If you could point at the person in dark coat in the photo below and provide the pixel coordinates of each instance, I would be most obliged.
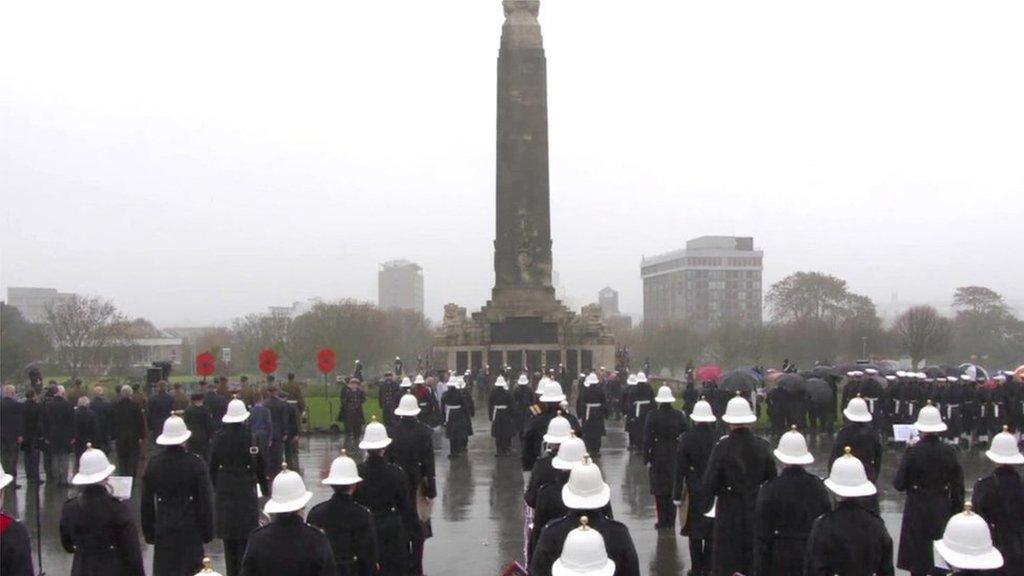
(285, 427)
(32, 439)
(104, 415)
(176, 506)
(595, 506)
(851, 539)
(348, 525)
(778, 401)
(351, 412)
(559, 430)
(549, 504)
(412, 449)
(235, 472)
(129, 432)
(384, 491)
(15, 546)
(738, 465)
(934, 482)
(863, 438)
(87, 427)
(98, 528)
(786, 508)
(389, 393)
(639, 401)
(458, 414)
(999, 499)
(501, 411)
(664, 426)
(59, 431)
(200, 424)
(287, 545)
(216, 403)
(547, 408)
(523, 396)
(592, 405)
(692, 456)
(158, 408)
(427, 400)
(12, 429)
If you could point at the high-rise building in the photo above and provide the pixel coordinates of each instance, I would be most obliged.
(608, 298)
(33, 302)
(400, 285)
(715, 280)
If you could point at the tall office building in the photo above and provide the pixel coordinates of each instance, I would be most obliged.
(715, 280)
(400, 285)
(33, 302)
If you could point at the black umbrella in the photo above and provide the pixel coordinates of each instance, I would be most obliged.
(842, 369)
(739, 380)
(819, 391)
(825, 372)
(934, 372)
(791, 383)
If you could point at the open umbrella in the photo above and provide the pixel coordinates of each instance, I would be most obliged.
(825, 372)
(819, 391)
(792, 382)
(973, 371)
(934, 371)
(739, 381)
(842, 369)
(709, 372)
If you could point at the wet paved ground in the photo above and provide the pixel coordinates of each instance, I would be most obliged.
(478, 512)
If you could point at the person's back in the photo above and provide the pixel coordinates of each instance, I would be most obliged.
(999, 499)
(865, 443)
(786, 509)
(349, 527)
(176, 510)
(288, 546)
(617, 539)
(159, 407)
(849, 541)
(384, 492)
(98, 529)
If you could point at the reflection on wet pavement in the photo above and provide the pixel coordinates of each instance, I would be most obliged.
(477, 518)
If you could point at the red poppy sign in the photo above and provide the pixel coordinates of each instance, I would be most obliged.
(206, 364)
(325, 360)
(268, 361)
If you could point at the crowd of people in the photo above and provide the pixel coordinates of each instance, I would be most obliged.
(227, 461)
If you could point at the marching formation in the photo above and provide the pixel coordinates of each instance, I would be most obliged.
(226, 463)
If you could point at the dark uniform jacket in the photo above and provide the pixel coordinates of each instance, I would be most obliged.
(200, 423)
(549, 506)
(999, 499)
(458, 413)
(235, 470)
(592, 406)
(282, 415)
(864, 443)
(129, 422)
(384, 491)
(15, 548)
(59, 423)
(661, 440)
(617, 542)
(501, 413)
(177, 511)
(691, 461)
(159, 407)
(786, 508)
(523, 396)
(349, 527)
(542, 473)
(290, 547)
(412, 449)
(934, 482)
(849, 541)
(533, 436)
(389, 394)
(738, 465)
(98, 529)
(427, 401)
(105, 417)
(87, 428)
(218, 407)
(641, 402)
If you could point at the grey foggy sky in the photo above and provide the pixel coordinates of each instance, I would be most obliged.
(198, 161)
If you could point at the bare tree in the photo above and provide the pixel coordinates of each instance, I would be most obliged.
(921, 331)
(79, 326)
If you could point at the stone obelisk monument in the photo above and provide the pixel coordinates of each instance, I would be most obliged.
(523, 325)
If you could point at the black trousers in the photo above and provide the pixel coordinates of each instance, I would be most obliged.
(31, 461)
(127, 458)
(666, 511)
(503, 445)
(234, 551)
(593, 443)
(700, 555)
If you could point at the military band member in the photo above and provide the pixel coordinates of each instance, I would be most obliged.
(348, 525)
(412, 449)
(691, 461)
(999, 499)
(458, 414)
(15, 547)
(664, 426)
(592, 405)
(500, 411)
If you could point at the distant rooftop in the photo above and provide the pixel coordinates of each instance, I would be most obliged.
(400, 263)
(706, 246)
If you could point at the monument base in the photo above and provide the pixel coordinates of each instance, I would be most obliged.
(523, 330)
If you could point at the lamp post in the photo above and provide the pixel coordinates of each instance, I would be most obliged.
(864, 347)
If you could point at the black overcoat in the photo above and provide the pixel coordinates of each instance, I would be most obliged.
(786, 508)
(934, 482)
(177, 511)
(349, 527)
(738, 465)
(661, 440)
(850, 541)
(501, 412)
(235, 471)
(999, 499)
(288, 546)
(617, 542)
(864, 443)
(691, 461)
(99, 530)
